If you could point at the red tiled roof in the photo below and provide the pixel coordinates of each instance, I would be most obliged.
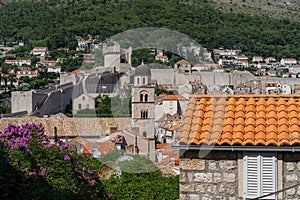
(163, 145)
(86, 151)
(47, 61)
(173, 157)
(242, 120)
(290, 59)
(174, 128)
(173, 97)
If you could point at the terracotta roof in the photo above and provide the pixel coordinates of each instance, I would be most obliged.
(242, 120)
(172, 156)
(174, 97)
(174, 127)
(103, 147)
(163, 145)
(47, 61)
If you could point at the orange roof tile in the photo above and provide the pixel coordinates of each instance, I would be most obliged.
(173, 97)
(163, 145)
(242, 120)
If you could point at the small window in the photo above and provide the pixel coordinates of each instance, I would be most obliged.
(79, 106)
(144, 80)
(138, 80)
(87, 106)
(260, 172)
(146, 97)
(144, 114)
(83, 98)
(141, 97)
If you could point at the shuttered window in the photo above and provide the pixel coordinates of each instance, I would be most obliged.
(260, 174)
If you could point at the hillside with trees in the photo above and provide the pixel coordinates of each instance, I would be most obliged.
(57, 24)
(289, 9)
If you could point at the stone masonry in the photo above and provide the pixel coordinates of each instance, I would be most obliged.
(291, 175)
(214, 177)
(72, 127)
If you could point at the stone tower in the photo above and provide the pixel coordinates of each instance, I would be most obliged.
(143, 93)
(114, 55)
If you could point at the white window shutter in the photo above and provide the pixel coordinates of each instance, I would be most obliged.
(269, 173)
(251, 176)
(260, 175)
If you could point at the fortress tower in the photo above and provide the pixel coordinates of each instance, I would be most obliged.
(114, 55)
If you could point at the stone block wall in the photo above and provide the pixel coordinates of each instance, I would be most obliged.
(214, 177)
(291, 175)
(72, 127)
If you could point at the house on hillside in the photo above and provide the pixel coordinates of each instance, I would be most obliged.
(47, 62)
(28, 73)
(270, 60)
(19, 63)
(39, 51)
(55, 69)
(240, 147)
(288, 61)
(294, 69)
(257, 59)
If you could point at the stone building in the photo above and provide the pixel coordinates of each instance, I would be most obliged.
(240, 147)
(44, 101)
(114, 55)
(183, 66)
(84, 101)
(143, 102)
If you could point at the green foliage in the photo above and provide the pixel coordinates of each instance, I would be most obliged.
(72, 64)
(140, 179)
(56, 24)
(36, 83)
(140, 55)
(36, 169)
(150, 185)
(20, 51)
(113, 107)
(52, 75)
(163, 91)
(103, 104)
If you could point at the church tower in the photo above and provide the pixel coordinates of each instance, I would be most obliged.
(143, 94)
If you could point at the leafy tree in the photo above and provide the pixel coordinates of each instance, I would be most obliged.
(163, 91)
(103, 104)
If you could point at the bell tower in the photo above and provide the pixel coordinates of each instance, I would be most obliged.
(143, 94)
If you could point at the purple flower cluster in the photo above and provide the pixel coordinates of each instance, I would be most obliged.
(40, 155)
(67, 157)
(17, 137)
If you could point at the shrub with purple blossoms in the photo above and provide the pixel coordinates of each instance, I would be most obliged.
(33, 167)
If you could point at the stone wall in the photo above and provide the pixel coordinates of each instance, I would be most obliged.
(72, 127)
(219, 176)
(291, 175)
(214, 177)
